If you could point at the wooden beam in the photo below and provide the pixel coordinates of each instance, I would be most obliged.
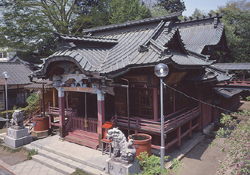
(80, 89)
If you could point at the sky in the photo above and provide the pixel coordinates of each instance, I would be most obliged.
(204, 5)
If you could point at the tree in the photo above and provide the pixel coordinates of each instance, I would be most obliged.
(127, 10)
(198, 12)
(237, 25)
(28, 25)
(172, 5)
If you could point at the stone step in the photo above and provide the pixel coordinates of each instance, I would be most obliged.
(44, 144)
(53, 164)
(77, 159)
(61, 160)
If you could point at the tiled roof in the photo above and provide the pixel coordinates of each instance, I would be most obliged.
(17, 72)
(86, 38)
(227, 93)
(38, 85)
(200, 33)
(134, 23)
(135, 47)
(188, 60)
(221, 74)
(232, 66)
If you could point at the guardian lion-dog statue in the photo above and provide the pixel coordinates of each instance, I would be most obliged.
(17, 119)
(123, 151)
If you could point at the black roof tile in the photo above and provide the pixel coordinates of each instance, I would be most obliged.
(133, 23)
(124, 54)
(232, 66)
(18, 73)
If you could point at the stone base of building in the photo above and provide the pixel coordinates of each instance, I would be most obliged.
(40, 134)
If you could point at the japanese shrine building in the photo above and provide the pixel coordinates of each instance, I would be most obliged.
(108, 75)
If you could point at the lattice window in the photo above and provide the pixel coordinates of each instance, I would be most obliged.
(3, 54)
(141, 102)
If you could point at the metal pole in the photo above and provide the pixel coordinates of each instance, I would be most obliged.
(6, 101)
(162, 121)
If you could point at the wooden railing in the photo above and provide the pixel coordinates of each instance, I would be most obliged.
(155, 126)
(237, 82)
(79, 123)
(171, 123)
(54, 112)
(29, 114)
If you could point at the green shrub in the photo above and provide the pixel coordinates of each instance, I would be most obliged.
(31, 153)
(30, 101)
(32, 98)
(79, 172)
(248, 98)
(3, 114)
(238, 143)
(152, 165)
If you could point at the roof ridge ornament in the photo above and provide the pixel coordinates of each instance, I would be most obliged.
(143, 47)
(216, 21)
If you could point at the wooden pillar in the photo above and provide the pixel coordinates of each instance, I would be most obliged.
(179, 137)
(200, 109)
(244, 77)
(155, 99)
(67, 99)
(190, 129)
(173, 101)
(54, 98)
(61, 112)
(101, 111)
(155, 103)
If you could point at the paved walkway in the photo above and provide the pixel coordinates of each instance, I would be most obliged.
(31, 167)
(52, 146)
(83, 155)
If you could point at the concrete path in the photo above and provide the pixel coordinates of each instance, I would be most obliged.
(32, 168)
(56, 156)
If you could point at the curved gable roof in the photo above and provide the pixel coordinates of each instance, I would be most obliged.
(200, 33)
(133, 47)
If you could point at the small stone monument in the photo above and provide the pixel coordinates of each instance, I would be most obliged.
(123, 160)
(17, 134)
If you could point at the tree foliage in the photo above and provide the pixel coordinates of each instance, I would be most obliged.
(237, 25)
(172, 5)
(127, 10)
(28, 25)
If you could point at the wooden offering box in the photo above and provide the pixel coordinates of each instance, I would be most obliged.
(105, 127)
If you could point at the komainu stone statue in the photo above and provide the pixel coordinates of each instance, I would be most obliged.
(123, 151)
(17, 119)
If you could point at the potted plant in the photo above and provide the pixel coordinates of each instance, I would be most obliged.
(142, 142)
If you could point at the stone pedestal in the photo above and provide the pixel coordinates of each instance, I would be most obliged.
(118, 168)
(40, 134)
(17, 137)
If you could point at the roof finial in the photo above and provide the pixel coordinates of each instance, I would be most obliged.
(217, 14)
(197, 17)
(210, 15)
(203, 16)
(185, 18)
(191, 18)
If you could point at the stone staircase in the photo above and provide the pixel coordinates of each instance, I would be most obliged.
(84, 138)
(62, 162)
